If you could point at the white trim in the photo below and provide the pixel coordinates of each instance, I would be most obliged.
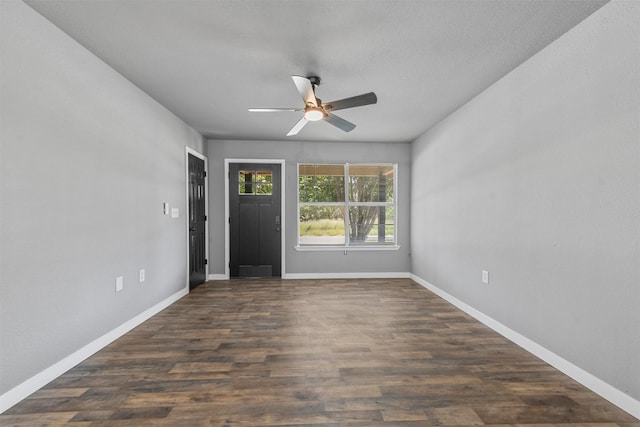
(218, 277)
(35, 383)
(595, 384)
(202, 157)
(354, 248)
(386, 275)
(227, 255)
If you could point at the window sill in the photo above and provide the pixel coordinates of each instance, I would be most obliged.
(311, 248)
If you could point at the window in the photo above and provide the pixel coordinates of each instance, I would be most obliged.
(255, 183)
(346, 204)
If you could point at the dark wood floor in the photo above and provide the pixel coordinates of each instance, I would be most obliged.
(323, 353)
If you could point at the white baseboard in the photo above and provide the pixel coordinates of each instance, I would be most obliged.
(303, 276)
(33, 384)
(595, 384)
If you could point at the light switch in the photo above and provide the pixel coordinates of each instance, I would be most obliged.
(165, 208)
(485, 276)
(175, 212)
(119, 283)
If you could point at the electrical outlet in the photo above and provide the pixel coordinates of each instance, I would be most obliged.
(485, 277)
(119, 283)
(141, 276)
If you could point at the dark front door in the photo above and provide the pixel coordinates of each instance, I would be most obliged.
(197, 221)
(254, 222)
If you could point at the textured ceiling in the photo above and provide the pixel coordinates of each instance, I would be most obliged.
(209, 61)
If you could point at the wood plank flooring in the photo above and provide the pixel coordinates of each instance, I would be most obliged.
(313, 353)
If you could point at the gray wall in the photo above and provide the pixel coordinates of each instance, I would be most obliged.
(294, 152)
(537, 181)
(86, 161)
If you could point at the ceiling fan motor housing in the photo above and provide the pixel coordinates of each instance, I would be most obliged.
(315, 80)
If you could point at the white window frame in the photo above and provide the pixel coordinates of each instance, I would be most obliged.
(347, 245)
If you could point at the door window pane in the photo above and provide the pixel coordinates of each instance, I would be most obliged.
(255, 183)
(264, 184)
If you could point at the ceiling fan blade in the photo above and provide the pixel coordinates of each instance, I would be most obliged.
(339, 122)
(273, 110)
(354, 101)
(298, 127)
(305, 88)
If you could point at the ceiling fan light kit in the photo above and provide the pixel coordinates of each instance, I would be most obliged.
(315, 110)
(313, 114)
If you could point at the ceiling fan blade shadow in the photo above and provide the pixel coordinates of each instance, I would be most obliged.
(298, 127)
(305, 88)
(273, 110)
(339, 122)
(354, 101)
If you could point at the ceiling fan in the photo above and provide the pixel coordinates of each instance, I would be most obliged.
(315, 110)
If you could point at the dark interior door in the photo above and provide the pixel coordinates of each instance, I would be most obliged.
(197, 221)
(254, 221)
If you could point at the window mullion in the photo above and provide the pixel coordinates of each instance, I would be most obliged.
(347, 220)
